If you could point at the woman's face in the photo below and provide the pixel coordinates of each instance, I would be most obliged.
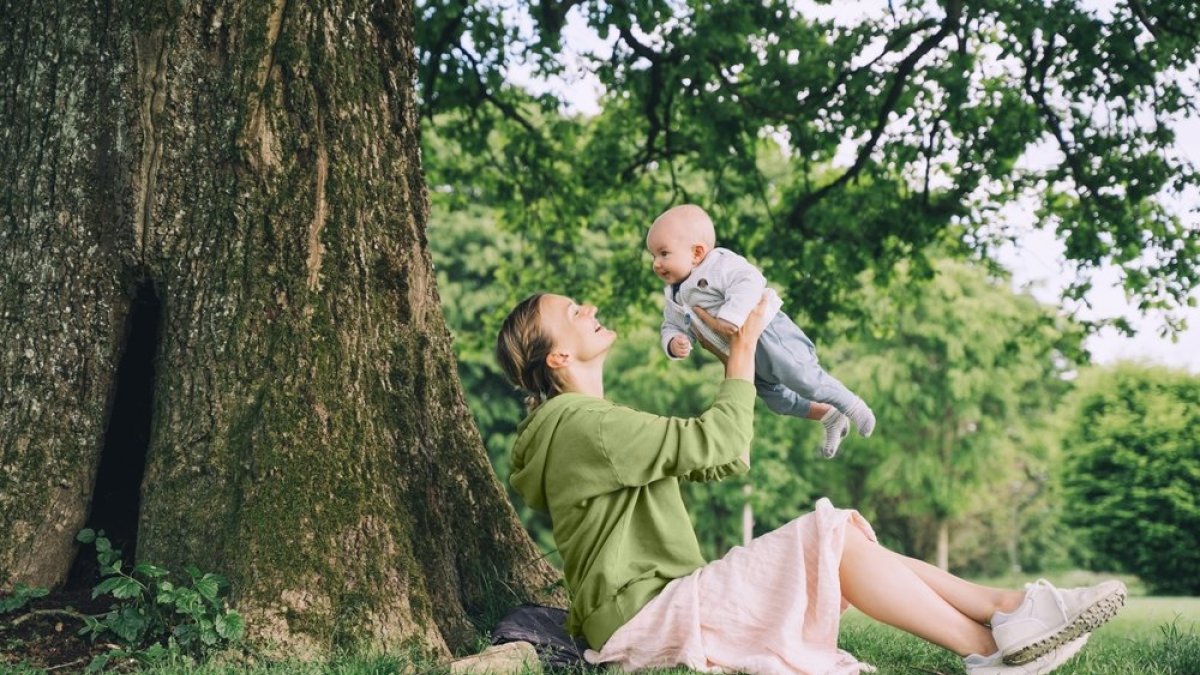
(573, 328)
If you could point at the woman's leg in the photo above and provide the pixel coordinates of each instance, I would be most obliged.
(977, 602)
(882, 586)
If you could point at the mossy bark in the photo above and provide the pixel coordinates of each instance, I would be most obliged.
(259, 163)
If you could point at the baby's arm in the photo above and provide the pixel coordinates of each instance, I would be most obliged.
(743, 286)
(673, 334)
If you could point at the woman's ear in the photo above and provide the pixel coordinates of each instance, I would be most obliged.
(557, 359)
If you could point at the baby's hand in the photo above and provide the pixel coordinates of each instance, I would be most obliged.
(680, 346)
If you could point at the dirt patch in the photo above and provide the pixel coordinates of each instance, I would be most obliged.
(45, 637)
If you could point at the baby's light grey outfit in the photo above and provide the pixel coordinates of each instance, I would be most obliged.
(786, 373)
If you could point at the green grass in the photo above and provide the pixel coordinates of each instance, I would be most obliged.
(1151, 636)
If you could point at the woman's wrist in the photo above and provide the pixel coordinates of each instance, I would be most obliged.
(740, 364)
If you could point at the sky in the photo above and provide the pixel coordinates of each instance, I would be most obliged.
(1036, 259)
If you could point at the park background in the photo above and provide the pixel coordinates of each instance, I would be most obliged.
(1008, 403)
(232, 191)
(1009, 376)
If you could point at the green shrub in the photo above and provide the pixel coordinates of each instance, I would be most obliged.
(1132, 474)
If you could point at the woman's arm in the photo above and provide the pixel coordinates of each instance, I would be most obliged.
(742, 341)
(644, 447)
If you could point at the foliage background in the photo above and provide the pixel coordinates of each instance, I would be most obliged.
(886, 259)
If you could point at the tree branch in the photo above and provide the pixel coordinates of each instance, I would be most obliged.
(1139, 11)
(900, 79)
(49, 612)
(508, 109)
(436, 52)
(1037, 91)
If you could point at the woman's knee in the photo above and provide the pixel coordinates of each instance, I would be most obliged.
(854, 539)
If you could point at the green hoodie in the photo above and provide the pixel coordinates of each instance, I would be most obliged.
(609, 477)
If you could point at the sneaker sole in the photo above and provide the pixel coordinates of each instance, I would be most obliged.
(1088, 620)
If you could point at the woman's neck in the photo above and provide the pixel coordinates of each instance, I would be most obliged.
(587, 380)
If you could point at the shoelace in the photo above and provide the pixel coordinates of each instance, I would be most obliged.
(1054, 593)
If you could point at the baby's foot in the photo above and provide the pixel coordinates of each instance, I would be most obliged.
(863, 418)
(837, 427)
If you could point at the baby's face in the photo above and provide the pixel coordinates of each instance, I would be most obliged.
(674, 254)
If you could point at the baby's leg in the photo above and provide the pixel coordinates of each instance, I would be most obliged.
(787, 353)
(783, 401)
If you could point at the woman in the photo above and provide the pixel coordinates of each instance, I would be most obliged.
(642, 595)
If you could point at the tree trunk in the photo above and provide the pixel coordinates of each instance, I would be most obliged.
(254, 168)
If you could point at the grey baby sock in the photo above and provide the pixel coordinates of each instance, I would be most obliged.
(837, 427)
(863, 418)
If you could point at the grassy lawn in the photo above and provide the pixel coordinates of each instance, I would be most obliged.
(1151, 636)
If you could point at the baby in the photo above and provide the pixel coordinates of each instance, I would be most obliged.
(726, 286)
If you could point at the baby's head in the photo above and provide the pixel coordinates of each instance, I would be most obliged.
(678, 240)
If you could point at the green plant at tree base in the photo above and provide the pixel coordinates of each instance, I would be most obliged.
(153, 619)
(20, 597)
(191, 618)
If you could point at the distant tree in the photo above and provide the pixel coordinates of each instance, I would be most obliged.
(1133, 473)
(956, 371)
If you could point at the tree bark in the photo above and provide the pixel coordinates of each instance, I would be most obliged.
(258, 163)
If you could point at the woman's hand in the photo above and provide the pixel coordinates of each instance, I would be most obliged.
(719, 326)
(742, 341)
(752, 327)
(712, 349)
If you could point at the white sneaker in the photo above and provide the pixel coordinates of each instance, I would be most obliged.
(1046, 663)
(1049, 617)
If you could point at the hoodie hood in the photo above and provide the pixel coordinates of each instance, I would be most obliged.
(535, 435)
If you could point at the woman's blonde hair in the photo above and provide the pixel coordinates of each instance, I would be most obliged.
(521, 350)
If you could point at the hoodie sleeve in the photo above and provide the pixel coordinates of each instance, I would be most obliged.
(643, 448)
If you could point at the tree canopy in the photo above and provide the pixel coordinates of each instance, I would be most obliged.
(949, 111)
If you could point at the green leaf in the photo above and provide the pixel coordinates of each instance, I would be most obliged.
(230, 626)
(208, 587)
(155, 652)
(21, 596)
(128, 625)
(91, 625)
(106, 586)
(87, 535)
(148, 570)
(126, 588)
(208, 635)
(97, 664)
(103, 545)
(186, 634)
(188, 601)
